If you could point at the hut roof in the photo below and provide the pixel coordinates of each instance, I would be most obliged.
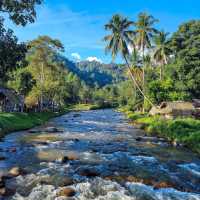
(170, 107)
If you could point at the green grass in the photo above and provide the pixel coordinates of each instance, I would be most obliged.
(182, 130)
(20, 121)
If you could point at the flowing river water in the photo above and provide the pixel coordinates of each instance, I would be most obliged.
(100, 156)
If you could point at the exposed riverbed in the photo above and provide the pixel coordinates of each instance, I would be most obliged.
(100, 156)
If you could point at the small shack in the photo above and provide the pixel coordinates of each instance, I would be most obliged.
(170, 110)
(10, 101)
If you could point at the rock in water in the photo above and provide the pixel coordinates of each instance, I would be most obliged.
(66, 181)
(76, 115)
(88, 172)
(66, 192)
(52, 130)
(16, 171)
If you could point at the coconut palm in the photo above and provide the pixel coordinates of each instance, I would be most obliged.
(144, 31)
(119, 40)
(162, 50)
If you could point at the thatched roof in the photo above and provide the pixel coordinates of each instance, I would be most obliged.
(173, 107)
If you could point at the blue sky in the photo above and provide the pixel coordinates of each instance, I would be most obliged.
(79, 24)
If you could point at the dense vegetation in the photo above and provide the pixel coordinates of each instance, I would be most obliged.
(94, 73)
(162, 68)
(180, 131)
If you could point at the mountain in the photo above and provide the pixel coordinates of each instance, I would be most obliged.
(96, 73)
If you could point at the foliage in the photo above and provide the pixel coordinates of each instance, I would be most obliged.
(21, 81)
(12, 53)
(120, 36)
(20, 11)
(181, 130)
(186, 47)
(19, 121)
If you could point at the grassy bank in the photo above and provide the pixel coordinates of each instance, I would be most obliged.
(181, 130)
(10, 122)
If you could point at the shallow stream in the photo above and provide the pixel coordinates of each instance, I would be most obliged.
(100, 156)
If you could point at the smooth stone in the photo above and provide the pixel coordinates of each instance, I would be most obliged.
(66, 181)
(2, 158)
(163, 185)
(66, 192)
(2, 191)
(68, 157)
(52, 130)
(16, 171)
(2, 182)
(63, 159)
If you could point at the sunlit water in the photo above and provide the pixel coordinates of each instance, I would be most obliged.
(105, 143)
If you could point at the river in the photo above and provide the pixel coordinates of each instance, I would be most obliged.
(100, 156)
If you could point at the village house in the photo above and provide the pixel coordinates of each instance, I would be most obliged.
(10, 101)
(170, 110)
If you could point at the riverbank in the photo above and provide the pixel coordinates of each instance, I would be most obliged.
(10, 122)
(178, 131)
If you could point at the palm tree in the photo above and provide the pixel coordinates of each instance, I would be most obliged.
(144, 31)
(119, 40)
(162, 50)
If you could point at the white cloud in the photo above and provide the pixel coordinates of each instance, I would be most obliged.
(76, 56)
(91, 59)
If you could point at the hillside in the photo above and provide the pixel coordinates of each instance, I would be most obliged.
(95, 73)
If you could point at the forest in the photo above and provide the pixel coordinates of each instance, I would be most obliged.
(87, 130)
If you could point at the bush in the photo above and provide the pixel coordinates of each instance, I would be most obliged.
(183, 130)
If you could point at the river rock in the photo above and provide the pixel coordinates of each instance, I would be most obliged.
(16, 171)
(52, 130)
(2, 158)
(88, 172)
(63, 159)
(163, 185)
(6, 192)
(13, 150)
(34, 131)
(66, 181)
(66, 192)
(2, 182)
(76, 115)
(68, 157)
(2, 191)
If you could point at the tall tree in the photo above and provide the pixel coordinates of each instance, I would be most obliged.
(144, 30)
(118, 41)
(162, 50)
(20, 11)
(12, 53)
(42, 64)
(185, 43)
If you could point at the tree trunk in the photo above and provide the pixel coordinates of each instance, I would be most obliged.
(135, 82)
(161, 72)
(42, 88)
(143, 78)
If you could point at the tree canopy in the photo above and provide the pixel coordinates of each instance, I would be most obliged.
(20, 12)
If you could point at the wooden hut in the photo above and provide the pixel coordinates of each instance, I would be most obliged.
(175, 109)
(10, 101)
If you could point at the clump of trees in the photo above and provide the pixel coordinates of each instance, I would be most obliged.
(34, 69)
(161, 67)
(45, 82)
